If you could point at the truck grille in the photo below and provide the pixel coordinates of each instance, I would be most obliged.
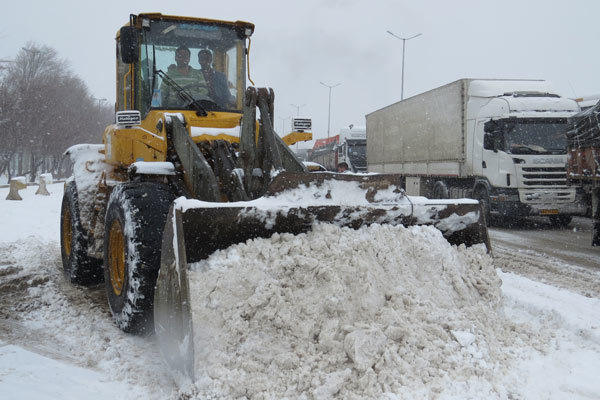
(544, 177)
(552, 197)
(545, 185)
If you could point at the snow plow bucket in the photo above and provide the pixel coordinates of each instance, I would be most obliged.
(293, 203)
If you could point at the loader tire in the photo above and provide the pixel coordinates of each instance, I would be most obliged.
(135, 220)
(78, 267)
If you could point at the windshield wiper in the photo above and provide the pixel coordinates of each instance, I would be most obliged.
(527, 149)
(182, 93)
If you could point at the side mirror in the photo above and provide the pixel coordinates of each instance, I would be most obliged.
(489, 142)
(130, 50)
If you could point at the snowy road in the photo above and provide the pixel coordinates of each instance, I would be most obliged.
(560, 257)
(57, 341)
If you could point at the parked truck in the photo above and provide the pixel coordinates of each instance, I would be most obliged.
(349, 146)
(583, 166)
(499, 141)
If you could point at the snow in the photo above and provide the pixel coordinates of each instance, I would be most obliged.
(499, 87)
(551, 106)
(37, 216)
(200, 131)
(341, 302)
(568, 368)
(20, 179)
(27, 375)
(153, 168)
(313, 166)
(502, 336)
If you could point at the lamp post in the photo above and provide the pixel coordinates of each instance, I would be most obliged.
(329, 114)
(403, 50)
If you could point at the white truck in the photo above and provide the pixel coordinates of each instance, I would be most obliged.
(349, 146)
(501, 142)
(352, 148)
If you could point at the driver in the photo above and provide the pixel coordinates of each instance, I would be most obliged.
(216, 80)
(190, 79)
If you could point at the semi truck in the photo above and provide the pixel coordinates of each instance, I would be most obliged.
(499, 141)
(583, 161)
(349, 146)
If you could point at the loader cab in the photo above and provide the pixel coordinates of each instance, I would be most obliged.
(146, 55)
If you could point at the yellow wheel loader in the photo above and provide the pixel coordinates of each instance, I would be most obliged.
(188, 169)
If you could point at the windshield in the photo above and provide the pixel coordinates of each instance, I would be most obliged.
(535, 136)
(203, 63)
(357, 151)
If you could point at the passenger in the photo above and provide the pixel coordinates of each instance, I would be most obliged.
(218, 86)
(187, 77)
(342, 167)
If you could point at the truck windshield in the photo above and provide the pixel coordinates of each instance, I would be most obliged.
(535, 136)
(357, 151)
(217, 88)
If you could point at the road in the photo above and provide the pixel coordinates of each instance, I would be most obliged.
(561, 257)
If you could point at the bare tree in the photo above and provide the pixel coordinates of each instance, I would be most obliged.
(44, 109)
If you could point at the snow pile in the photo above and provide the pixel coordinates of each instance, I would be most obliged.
(383, 310)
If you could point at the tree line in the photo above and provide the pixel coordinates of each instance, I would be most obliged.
(44, 109)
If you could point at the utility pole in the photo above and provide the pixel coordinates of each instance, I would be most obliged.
(329, 113)
(403, 50)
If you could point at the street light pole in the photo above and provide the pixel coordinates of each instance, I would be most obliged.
(329, 113)
(403, 51)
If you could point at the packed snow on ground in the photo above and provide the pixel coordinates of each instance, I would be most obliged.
(382, 312)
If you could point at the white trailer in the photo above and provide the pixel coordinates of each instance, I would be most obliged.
(501, 142)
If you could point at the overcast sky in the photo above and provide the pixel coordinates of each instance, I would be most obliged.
(298, 44)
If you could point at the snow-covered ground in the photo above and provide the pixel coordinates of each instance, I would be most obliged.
(522, 340)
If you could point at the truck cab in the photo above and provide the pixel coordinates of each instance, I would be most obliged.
(352, 148)
(521, 134)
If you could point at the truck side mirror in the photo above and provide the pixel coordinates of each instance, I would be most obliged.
(130, 50)
(489, 142)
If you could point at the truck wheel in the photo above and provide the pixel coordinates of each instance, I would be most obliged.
(78, 267)
(560, 221)
(440, 190)
(135, 220)
(481, 194)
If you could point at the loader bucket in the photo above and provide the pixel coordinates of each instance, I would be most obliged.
(292, 204)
